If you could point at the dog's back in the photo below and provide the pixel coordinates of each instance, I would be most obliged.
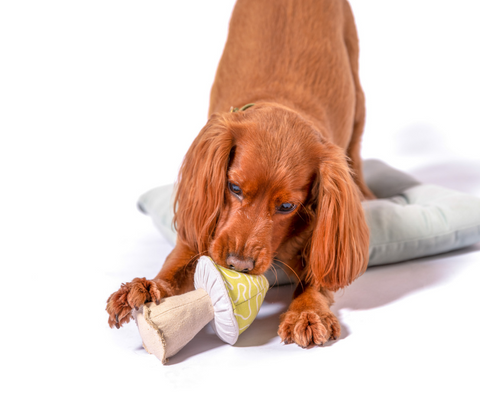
(303, 54)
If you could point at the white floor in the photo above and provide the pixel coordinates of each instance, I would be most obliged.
(99, 100)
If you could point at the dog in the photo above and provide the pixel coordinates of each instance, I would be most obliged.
(275, 175)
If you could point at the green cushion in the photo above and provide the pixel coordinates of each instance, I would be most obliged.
(411, 220)
(408, 220)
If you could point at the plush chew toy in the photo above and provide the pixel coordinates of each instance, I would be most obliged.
(229, 299)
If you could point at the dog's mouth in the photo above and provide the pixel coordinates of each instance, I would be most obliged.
(251, 255)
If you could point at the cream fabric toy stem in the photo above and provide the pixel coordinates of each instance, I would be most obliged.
(229, 299)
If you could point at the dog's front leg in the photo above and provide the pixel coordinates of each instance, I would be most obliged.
(175, 277)
(309, 321)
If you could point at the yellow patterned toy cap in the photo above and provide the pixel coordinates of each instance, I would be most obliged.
(236, 297)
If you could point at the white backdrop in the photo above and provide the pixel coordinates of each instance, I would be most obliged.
(99, 101)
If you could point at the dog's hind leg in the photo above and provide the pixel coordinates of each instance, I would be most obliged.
(353, 149)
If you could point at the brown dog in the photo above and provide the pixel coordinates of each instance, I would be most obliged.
(279, 180)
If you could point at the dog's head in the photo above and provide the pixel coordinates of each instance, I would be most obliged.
(259, 180)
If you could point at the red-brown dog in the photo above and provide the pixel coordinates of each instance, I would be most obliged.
(279, 180)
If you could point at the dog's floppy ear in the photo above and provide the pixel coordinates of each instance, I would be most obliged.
(338, 251)
(200, 188)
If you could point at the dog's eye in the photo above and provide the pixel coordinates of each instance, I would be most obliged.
(235, 189)
(285, 208)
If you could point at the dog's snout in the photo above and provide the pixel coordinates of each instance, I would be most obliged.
(239, 264)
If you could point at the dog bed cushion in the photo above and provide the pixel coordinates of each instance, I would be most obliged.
(408, 220)
(411, 220)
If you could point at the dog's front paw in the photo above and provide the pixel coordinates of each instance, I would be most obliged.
(308, 328)
(133, 295)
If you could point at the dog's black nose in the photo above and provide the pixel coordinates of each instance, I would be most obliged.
(239, 264)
